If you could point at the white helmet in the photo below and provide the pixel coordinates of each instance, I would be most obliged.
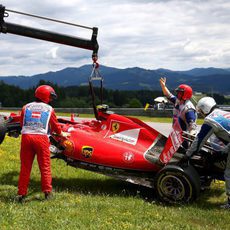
(205, 105)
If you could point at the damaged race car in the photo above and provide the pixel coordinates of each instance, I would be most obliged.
(119, 146)
(128, 149)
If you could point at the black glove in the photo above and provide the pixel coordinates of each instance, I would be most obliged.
(184, 160)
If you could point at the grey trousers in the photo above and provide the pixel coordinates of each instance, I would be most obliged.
(227, 171)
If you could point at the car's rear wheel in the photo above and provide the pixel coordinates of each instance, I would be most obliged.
(174, 184)
(2, 129)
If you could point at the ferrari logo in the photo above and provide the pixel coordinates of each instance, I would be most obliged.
(115, 127)
(87, 151)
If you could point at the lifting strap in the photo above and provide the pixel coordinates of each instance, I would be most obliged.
(96, 76)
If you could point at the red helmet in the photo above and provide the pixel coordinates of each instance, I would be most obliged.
(45, 93)
(186, 92)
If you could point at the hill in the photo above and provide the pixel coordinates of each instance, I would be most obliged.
(214, 80)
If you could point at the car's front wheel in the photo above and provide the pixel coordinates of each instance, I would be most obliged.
(174, 184)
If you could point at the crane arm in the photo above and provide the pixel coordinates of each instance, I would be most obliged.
(89, 44)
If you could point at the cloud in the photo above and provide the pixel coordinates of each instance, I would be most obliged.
(171, 34)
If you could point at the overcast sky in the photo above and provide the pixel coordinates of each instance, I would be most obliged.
(151, 34)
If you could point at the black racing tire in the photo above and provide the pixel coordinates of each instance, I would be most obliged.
(3, 129)
(174, 184)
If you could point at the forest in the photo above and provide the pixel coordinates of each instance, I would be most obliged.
(80, 96)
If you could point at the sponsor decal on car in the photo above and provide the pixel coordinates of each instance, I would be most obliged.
(128, 136)
(87, 151)
(68, 145)
(128, 157)
(103, 127)
(173, 142)
(115, 127)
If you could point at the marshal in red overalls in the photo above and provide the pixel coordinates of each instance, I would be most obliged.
(37, 120)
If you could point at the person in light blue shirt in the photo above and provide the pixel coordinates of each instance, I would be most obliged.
(216, 122)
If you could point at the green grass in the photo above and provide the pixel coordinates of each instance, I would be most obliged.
(143, 118)
(85, 200)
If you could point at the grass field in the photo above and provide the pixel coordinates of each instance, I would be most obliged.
(85, 200)
(143, 118)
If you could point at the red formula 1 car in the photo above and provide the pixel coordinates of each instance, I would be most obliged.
(130, 150)
(119, 146)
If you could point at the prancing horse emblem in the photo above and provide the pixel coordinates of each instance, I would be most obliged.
(115, 127)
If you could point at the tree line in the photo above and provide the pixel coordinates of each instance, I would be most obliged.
(80, 96)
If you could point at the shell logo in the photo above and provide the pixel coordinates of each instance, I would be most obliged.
(68, 145)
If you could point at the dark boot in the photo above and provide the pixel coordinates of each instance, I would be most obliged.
(227, 205)
(48, 195)
(20, 198)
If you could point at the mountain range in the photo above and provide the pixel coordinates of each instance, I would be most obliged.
(213, 80)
